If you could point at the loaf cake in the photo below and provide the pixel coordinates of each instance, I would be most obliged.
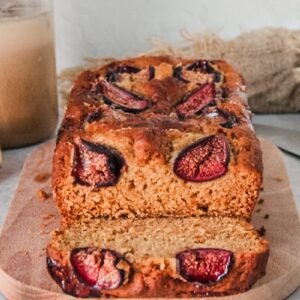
(157, 137)
(157, 257)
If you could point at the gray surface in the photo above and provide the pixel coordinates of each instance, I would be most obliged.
(13, 162)
(286, 139)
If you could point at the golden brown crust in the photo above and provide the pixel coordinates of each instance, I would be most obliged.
(149, 141)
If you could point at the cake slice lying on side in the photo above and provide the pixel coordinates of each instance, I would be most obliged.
(164, 257)
(157, 136)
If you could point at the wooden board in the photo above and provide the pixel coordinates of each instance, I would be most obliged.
(25, 234)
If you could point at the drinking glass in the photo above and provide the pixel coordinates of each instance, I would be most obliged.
(28, 91)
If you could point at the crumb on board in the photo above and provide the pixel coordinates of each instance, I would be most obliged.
(258, 210)
(42, 177)
(262, 231)
(266, 216)
(47, 220)
(42, 195)
(47, 217)
(45, 232)
(278, 178)
(261, 201)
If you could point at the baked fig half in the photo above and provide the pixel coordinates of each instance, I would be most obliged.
(224, 118)
(205, 160)
(100, 269)
(204, 265)
(122, 99)
(96, 165)
(195, 102)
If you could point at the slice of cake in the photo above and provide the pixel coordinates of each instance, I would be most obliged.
(162, 257)
(157, 136)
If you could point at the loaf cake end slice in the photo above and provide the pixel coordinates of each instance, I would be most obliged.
(164, 257)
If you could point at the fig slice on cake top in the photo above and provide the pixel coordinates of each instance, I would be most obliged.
(196, 101)
(120, 98)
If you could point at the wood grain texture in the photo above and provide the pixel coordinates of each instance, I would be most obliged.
(25, 234)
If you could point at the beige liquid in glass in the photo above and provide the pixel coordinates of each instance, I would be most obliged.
(28, 97)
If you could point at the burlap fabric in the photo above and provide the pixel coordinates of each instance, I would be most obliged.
(269, 59)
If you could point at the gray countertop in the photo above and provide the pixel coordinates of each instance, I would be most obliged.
(13, 161)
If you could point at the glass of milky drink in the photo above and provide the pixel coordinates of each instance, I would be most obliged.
(28, 95)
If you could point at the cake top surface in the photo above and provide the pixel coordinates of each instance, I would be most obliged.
(155, 92)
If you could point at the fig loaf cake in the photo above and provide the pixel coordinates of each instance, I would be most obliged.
(157, 137)
(157, 257)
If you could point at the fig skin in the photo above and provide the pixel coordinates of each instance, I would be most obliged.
(226, 119)
(202, 66)
(67, 280)
(113, 75)
(206, 266)
(127, 69)
(177, 73)
(151, 73)
(230, 122)
(94, 116)
(206, 159)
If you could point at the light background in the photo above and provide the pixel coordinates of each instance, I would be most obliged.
(123, 27)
